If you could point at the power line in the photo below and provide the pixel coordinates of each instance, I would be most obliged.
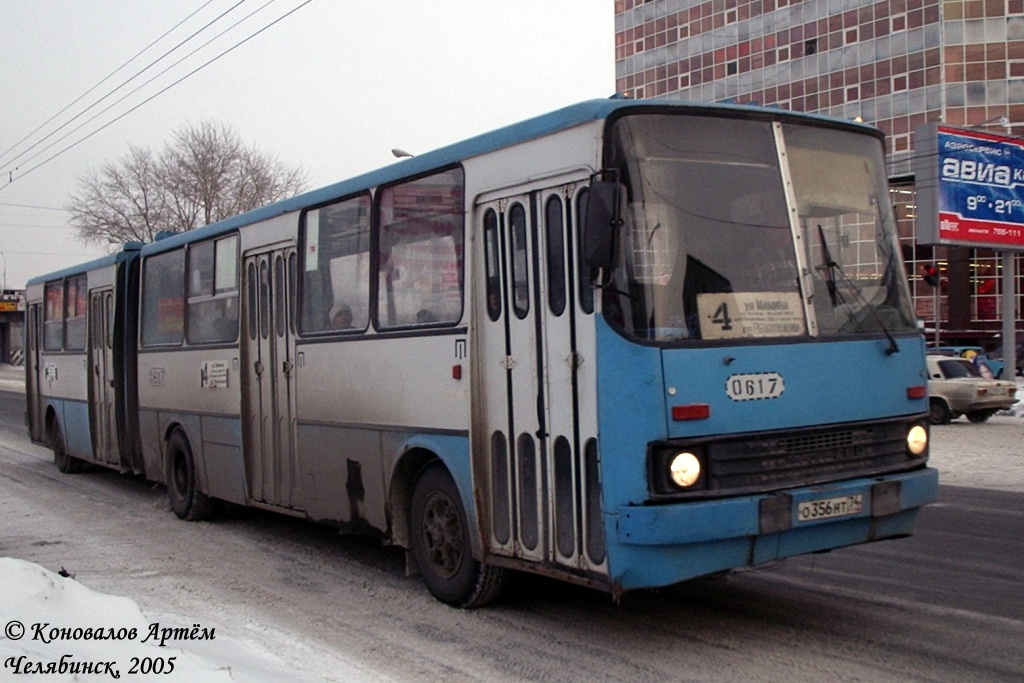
(109, 94)
(158, 93)
(101, 82)
(31, 206)
(35, 227)
(48, 253)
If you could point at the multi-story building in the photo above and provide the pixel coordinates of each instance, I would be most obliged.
(895, 64)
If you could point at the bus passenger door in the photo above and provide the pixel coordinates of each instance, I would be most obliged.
(269, 393)
(102, 418)
(527, 367)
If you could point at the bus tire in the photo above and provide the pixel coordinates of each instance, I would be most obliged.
(187, 501)
(66, 463)
(441, 544)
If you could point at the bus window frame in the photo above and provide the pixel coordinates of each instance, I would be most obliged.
(76, 322)
(53, 322)
(216, 292)
(300, 324)
(376, 233)
(146, 305)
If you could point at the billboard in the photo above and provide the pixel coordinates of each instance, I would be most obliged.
(970, 188)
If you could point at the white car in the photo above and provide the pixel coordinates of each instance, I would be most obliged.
(955, 388)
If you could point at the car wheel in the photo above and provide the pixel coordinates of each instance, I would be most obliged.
(939, 412)
(980, 416)
(440, 539)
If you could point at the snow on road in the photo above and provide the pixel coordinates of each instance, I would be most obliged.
(38, 604)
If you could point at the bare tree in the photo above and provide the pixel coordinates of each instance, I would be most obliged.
(121, 201)
(205, 174)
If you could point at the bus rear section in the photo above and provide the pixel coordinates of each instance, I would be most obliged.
(80, 356)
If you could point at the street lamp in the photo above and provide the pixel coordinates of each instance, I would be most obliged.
(1001, 120)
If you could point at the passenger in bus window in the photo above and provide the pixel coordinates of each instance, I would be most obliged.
(342, 319)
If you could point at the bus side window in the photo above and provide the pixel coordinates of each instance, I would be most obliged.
(213, 291)
(75, 304)
(336, 266)
(420, 251)
(53, 317)
(163, 301)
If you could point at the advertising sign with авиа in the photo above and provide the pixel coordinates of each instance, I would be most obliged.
(970, 187)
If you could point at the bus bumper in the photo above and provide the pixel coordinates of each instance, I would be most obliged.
(711, 536)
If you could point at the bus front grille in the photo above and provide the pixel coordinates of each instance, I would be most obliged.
(774, 460)
(769, 461)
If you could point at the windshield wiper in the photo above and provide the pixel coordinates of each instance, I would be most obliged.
(831, 268)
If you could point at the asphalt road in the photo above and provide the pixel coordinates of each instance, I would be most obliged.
(944, 605)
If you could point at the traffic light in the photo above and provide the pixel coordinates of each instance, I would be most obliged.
(930, 274)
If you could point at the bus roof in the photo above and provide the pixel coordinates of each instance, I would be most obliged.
(129, 248)
(530, 129)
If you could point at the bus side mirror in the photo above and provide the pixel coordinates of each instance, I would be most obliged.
(602, 223)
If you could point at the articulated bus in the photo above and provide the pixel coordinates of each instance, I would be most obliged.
(623, 344)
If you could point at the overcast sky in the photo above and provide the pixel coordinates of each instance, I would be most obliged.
(333, 87)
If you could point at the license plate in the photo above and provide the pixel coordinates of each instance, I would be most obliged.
(825, 508)
(997, 391)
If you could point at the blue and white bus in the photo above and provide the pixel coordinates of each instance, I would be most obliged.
(624, 344)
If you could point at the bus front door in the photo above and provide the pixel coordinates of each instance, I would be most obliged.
(268, 353)
(102, 418)
(528, 367)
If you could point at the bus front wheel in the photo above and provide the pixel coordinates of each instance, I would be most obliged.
(187, 501)
(441, 544)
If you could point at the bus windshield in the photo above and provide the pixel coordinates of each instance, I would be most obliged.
(709, 251)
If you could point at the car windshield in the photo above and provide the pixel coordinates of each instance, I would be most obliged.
(709, 250)
(953, 369)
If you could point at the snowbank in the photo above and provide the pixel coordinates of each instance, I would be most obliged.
(54, 625)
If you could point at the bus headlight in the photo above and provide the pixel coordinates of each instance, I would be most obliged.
(684, 469)
(917, 440)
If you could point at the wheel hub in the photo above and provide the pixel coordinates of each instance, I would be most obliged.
(442, 534)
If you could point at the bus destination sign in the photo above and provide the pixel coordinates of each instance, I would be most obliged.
(970, 188)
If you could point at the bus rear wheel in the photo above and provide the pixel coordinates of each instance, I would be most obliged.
(441, 544)
(187, 501)
(66, 463)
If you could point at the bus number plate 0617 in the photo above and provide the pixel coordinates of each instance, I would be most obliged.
(755, 386)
